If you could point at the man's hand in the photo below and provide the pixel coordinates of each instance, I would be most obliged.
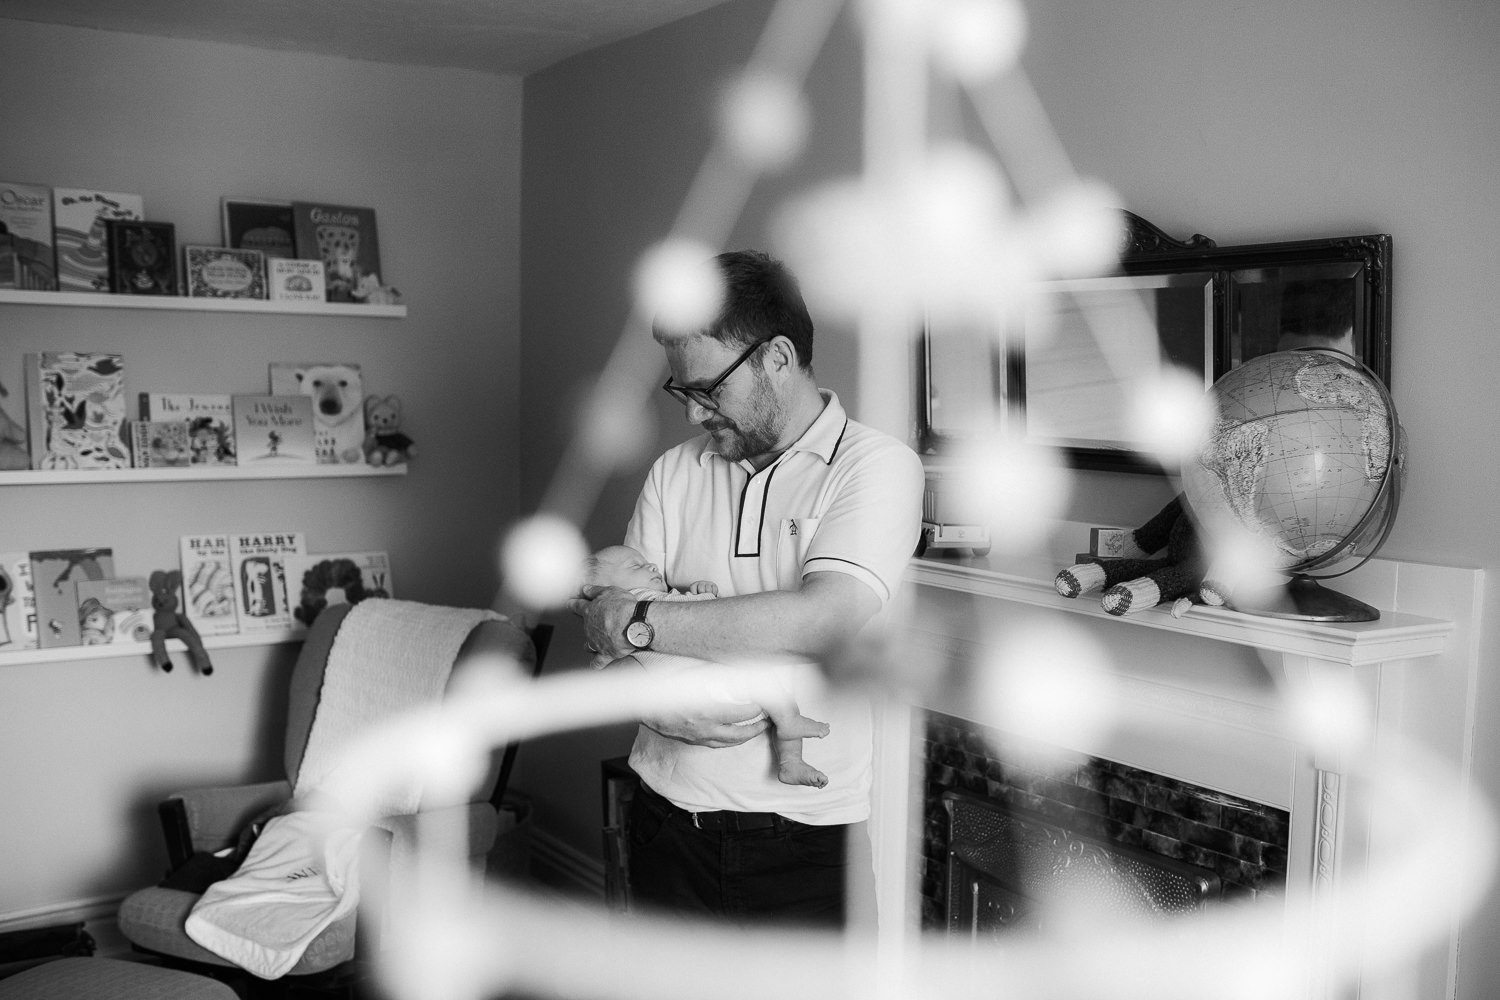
(715, 727)
(605, 612)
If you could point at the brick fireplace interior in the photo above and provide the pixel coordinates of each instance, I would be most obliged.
(1238, 846)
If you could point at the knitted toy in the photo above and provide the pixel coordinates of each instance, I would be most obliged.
(172, 624)
(1139, 579)
(385, 444)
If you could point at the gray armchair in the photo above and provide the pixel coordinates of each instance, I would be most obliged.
(199, 822)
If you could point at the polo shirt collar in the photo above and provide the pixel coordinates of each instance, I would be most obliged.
(821, 438)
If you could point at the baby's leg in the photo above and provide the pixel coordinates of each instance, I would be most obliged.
(790, 727)
(791, 769)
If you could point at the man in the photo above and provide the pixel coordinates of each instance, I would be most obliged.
(805, 520)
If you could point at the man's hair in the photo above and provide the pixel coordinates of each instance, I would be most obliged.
(761, 301)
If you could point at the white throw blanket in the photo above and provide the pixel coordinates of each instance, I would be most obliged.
(302, 871)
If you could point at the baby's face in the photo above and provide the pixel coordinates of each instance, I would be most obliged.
(622, 566)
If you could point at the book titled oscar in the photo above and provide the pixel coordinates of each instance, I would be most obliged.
(208, 597)
(27, 260)
(274, 430)
(259, 563)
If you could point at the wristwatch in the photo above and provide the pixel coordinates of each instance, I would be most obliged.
(639, 632)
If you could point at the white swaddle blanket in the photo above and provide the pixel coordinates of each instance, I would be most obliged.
(302, 871)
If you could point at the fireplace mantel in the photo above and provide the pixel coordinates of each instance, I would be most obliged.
(1223, 722)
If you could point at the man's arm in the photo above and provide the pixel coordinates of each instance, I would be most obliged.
(828, 609)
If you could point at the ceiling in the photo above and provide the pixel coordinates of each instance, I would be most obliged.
(493, 36)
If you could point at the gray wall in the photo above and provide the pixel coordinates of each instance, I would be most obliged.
(86, 747)
(1267, 121)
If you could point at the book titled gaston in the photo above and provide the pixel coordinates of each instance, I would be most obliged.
(209, 418)
(274, 430)
(208, 584)
(75, 407)
(259, 565)
(56, 573)
(343, 237)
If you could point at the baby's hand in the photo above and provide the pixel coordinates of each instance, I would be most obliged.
(704, 587)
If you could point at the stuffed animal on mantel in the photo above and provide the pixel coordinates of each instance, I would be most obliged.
(1140, 578)
(169, 623)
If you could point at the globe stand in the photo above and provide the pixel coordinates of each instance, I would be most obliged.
(1303, 598)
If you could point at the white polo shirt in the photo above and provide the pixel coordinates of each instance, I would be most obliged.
(845, 498)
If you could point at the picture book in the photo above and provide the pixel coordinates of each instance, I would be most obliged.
(274, 430)
(78, 237)
(142, 257)
(295, 280)
(259, 565)
(315, 582)
(208, 597)
(17, 602)
(337, 394)
(55, 574)
(223, 273)
(75, 406)
(210, 420)
(158, 444)
(345, 240)
(114, 611)
(257, 224)
(26, 259)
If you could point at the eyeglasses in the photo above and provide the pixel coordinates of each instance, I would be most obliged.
(704, 395)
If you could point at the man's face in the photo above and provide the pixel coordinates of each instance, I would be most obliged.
(750, 416)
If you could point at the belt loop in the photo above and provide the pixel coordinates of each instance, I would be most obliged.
(696, 824)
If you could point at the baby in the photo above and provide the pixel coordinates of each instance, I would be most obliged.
(623, 566)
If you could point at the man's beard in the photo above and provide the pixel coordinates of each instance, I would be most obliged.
(757, 435)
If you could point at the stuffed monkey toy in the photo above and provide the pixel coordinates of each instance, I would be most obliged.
(1141, 579)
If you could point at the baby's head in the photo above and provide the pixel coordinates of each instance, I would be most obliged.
(623, 566)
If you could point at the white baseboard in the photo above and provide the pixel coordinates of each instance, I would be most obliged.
(563, 865)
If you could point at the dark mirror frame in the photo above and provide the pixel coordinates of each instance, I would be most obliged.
(1147, 250)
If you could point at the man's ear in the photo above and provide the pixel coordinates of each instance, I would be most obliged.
(779, 355)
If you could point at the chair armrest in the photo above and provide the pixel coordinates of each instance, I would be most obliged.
(210, 819)
(476, 820)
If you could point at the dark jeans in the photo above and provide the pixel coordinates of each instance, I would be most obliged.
(745, 867)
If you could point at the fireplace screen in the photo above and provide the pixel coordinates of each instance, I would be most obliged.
(1007, 868)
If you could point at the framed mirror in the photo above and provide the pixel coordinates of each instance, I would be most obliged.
(1066, 377)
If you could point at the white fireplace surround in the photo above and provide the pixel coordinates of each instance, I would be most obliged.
(1206, 687)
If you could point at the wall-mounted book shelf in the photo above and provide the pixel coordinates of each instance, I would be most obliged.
(74, 477)
(102, 300)
(68, 654)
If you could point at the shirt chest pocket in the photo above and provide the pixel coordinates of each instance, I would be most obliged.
(793, 542)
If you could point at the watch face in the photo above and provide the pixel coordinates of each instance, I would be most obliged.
(639, 634)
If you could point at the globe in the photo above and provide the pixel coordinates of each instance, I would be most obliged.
(1304, 468)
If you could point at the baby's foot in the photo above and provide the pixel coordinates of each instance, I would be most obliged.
(799, 772)
(801, 727)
